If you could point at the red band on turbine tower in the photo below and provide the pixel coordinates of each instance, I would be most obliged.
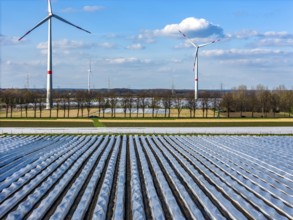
(49, 72)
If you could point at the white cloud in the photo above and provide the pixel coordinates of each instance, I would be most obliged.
(191, 26)
(111, 35)
(275, 39)
(257, 58)
(269, 34)
(87, 8)
(73, 48)
(275, 42)
(166, 69)
(146, 37)
(176, 60)
(264, 63)
(242, 52)
(244, 34)
(106, 45)
(137, 46)
(127, 60)
(32, 63)
(66, 44)
(7, 40)
(281, 34)
(92, 8)
(69, 10)
(268, 39)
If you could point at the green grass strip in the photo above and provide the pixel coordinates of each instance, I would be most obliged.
(48, 124)
(198, 124)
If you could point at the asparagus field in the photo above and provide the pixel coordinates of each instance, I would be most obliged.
(146, 177)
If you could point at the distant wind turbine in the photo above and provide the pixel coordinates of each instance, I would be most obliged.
(49, 75)
(195, 65)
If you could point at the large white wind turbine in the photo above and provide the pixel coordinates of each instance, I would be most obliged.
(49, 75)
(195, 65)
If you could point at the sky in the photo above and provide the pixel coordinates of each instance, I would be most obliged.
(136, 44)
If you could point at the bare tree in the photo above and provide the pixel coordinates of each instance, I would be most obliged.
(137, 104)
(227, 102)
(113, 101)
(286, 99)
(240, 98)
(40, 103)
(63, 101)
(154, 102)
(191, 104)
(130, 103)
(178, 104)
(275, 102)
(68, 97)
(88, 101)
(79, 97)
(263, 96)
(124, 105)
(6, 99)
(34, 99)
(20, 101)
(252, 102)
(289, 102)
(100, 100)
(104, 105)
(57, 100)
(167, 102)
(1, 100)
(205, 104)
(143, 102)
(27, 99)
(281, 92)
(216, 106)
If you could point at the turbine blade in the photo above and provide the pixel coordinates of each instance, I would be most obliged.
(49, 7)
(61, 19)
(190, 41)
(39, 24)
(203, 45)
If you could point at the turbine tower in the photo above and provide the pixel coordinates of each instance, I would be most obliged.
(49, 67)
(195, 65)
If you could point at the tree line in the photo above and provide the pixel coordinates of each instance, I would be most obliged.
(237, 102)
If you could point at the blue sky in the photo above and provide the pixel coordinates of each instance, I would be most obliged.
(135, 44)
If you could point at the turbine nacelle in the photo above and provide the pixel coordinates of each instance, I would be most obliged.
(197, 45)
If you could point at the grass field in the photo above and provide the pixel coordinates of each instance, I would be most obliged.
(159, 122)
(94, 112)
(71, 120)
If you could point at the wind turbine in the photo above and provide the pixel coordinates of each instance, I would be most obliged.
(195, 65)
(49, 67)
